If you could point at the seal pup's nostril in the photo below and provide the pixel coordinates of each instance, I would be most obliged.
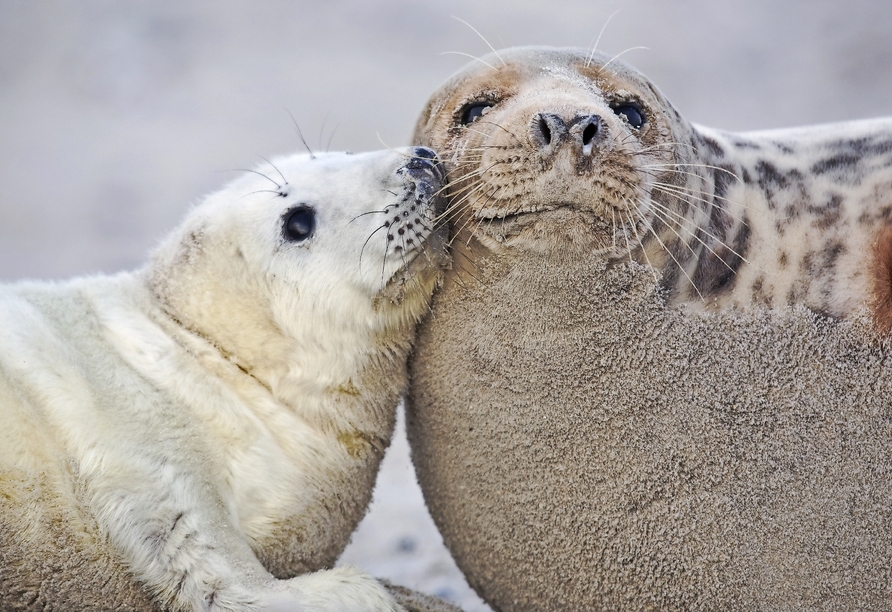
(424, 152)
(426, 159)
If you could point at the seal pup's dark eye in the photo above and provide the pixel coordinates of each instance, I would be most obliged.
(632, 114)
(300, 223)
(473, 112)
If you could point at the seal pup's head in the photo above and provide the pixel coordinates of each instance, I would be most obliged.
(555, 149)
(309, 263)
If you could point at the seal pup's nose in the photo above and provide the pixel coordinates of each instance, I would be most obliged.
(423, 158)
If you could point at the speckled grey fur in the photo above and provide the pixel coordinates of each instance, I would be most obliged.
(699, 420)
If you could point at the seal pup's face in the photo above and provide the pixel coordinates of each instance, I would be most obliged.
(305, 245)
(548, 148)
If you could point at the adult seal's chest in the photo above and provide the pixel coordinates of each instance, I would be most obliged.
(661, 380)
(632, 456)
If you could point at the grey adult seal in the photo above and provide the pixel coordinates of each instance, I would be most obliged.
(659, 375)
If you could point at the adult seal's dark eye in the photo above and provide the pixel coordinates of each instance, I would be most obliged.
(632, 114)
(473, 112)
(300, 224)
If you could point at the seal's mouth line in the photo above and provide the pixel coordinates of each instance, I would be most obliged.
(420, 255)
(492, 214)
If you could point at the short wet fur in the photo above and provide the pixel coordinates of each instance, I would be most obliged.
(658, 376)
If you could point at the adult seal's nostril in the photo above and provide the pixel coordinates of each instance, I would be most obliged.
(587, 131)
(548, 131)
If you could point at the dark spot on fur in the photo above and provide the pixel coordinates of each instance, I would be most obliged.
(795, 294)
(831, 254)
(829, 214)
(784, 147)
(868, 145)
(836, 163)
(714, 147)
(721, 178)
(808, 265)
(783, 259)
(719, 264)
(770, 177)
(746, 144)
(760, 295)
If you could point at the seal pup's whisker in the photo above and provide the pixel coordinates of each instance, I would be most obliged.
(322, 130)
(301, 135)
(331, 137)
(258, 173)
(364, 244)
(284, 180)
(250, 193)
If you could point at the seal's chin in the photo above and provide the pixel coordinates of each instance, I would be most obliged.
(421, 268)
(545, 228)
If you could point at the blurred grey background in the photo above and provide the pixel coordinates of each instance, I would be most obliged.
(116, 116)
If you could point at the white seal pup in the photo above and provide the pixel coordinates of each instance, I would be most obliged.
(659, 375)
(204, 433)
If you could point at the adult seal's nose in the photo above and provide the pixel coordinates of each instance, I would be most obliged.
(587, 131)
(548, 131)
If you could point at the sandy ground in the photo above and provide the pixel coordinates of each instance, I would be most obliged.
(115, 116)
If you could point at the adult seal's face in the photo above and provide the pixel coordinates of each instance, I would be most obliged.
(624, 398)
(550, 149)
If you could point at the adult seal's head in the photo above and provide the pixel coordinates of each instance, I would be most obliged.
(641, 383)
(551, 149)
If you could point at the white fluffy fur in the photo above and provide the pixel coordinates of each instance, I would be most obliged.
(212, 423)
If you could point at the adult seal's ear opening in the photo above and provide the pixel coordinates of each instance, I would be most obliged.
(657, 376)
